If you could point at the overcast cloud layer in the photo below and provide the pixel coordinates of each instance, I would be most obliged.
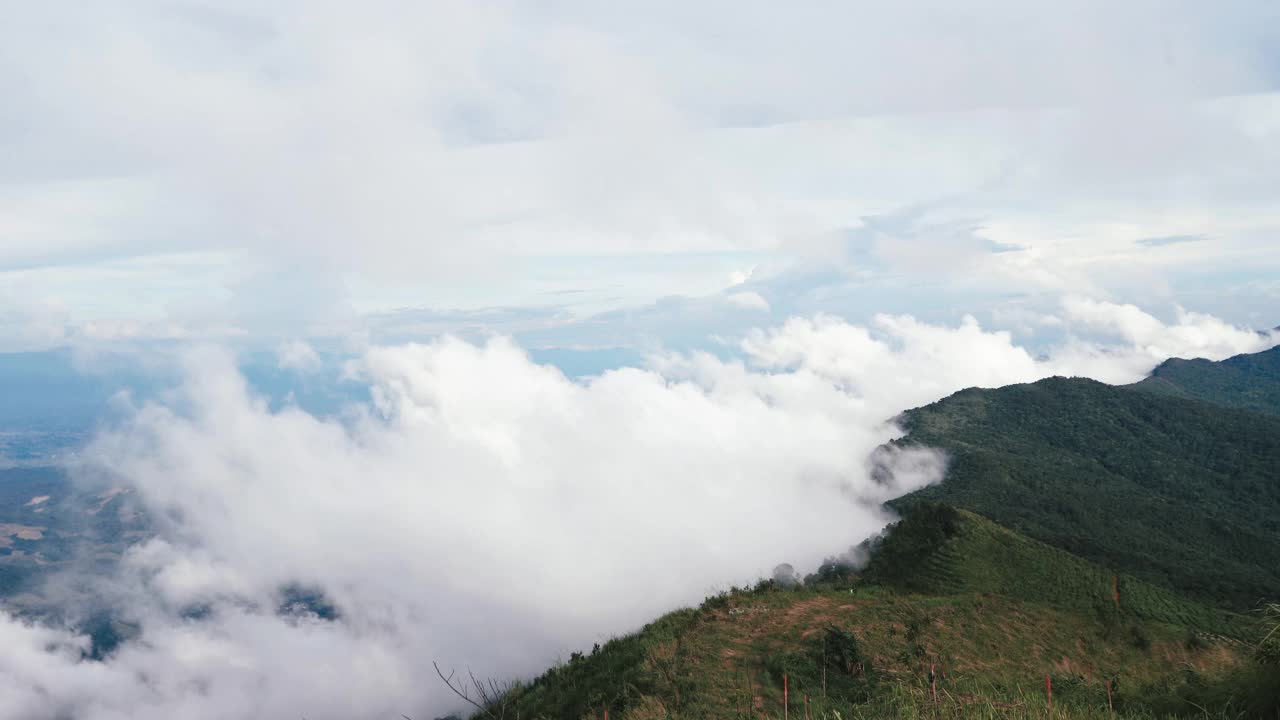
(172, 169)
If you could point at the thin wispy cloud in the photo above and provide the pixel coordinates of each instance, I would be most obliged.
(1164, 240)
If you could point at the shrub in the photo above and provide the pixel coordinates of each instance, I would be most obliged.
(719, 601)
(1194, 642)
(1139, 638)
(833, 663)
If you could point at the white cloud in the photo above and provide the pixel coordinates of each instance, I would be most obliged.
(737, 277)
(484, 511)
(1193, 335)
(748, 299)
(297, 355)
(899, 362)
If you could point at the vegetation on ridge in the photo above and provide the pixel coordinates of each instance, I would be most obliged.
(940, 550)
(980, 620)
(1176, 492)
(1249, 382)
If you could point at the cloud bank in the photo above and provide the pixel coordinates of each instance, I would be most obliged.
(483, 510)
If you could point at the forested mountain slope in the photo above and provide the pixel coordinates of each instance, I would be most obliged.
(1250, 382)
(1178, 492)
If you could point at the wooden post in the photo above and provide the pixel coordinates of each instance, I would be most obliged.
(824, 669)
(933, 682)
(1048, 688)
(806, 706)
(785, 699)
(1110, 707)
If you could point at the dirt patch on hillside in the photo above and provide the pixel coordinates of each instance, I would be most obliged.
(805, 607)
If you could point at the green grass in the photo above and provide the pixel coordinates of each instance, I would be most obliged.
(991, 654)
(990, 611)
(941, 550)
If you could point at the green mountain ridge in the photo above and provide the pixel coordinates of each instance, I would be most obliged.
(1178, 492)
(1249, 382)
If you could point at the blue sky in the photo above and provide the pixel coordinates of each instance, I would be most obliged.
(259, 172)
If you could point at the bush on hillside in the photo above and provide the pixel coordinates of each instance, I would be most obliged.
(833, 666)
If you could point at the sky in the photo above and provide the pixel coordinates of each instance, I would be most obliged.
(265, 172)
(571, 314)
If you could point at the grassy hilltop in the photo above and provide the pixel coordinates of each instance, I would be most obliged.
(990, 611)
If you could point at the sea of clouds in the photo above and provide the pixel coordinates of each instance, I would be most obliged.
(484, 511)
